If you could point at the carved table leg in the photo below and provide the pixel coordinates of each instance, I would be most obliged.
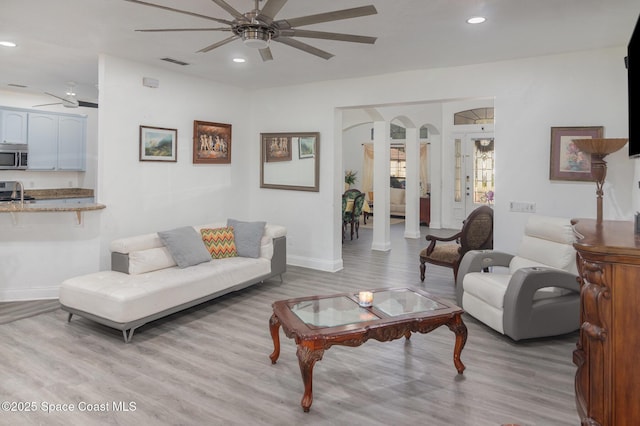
(457, 326)
(307, 358)
(274, 328)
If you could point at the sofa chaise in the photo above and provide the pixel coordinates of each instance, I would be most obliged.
(155, 275)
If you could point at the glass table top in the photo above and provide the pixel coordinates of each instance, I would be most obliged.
(342, 310)
(331, 312)
(396, 302)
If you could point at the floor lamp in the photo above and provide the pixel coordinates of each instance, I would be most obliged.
(599, 148)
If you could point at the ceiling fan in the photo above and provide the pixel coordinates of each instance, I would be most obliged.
(258, 27)
(69, 100)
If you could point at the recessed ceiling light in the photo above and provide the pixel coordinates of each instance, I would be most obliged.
(239, 60)
(7, 44)
(476, 20)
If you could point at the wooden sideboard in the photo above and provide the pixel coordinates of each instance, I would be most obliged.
(607, 380)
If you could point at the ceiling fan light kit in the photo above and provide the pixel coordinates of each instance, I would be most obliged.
(256, 38)
(258, 27)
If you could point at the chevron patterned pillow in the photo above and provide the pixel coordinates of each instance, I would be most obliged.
(220, 242)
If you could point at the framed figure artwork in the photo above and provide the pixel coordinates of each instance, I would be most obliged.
(277, 147)
(211, 143)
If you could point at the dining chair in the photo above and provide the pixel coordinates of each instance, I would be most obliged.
(356, 212)
(346, 216)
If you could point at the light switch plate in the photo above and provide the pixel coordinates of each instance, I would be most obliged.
(522, 207)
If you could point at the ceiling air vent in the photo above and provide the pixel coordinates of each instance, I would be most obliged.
(175, 61)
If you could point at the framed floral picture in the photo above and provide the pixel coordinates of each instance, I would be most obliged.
(158, 144)
(211, 143)
(567, 161)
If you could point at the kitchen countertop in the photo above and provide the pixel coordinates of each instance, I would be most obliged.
(57, 193)
(53, 194)
(15, 207)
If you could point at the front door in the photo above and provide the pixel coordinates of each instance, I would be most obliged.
(474, 172)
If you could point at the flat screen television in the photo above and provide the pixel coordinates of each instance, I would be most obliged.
(633, 74)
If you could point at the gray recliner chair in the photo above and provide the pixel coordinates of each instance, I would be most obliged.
(534, 293)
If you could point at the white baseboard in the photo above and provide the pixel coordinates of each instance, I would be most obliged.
(381, 246)
(318, 264)
(16, 295)
(411, 234)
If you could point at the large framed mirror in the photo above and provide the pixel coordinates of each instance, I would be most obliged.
(290, 161)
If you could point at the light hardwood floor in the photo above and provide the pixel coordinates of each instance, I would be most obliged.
(210, 365)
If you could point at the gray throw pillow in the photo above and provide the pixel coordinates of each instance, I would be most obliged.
(185, 245)
(247, 236)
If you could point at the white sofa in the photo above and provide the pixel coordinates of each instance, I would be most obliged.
(145, 283)
(397, 202)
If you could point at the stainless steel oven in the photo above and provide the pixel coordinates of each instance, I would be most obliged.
(13, 156)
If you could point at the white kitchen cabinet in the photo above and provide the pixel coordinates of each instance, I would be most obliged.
(43, 141)
(56, 142)
(13, 126)
(71, 143)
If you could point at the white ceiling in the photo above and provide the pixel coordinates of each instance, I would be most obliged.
(59, 41)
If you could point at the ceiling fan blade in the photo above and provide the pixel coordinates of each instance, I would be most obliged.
(230, 9)
(266, 54)
(159, 30)
(57, 103)
(57, 97)
(272, 7)
(222, 21)
(327, 17)
(218, 44)
(304, 47)
(328, 36)
(87, 104)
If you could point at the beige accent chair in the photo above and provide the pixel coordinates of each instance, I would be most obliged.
(534, 293)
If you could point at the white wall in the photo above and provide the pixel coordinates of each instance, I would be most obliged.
(145, 197)
(531, 95)
(39, 250)
(353, 150)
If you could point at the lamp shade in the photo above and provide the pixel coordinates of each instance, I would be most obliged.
(600, 146)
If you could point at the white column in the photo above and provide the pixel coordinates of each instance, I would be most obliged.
(381, 172)
(412, 187)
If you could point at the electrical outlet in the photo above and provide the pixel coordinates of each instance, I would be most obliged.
(521, 206)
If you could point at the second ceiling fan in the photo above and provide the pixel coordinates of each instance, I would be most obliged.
(258, 27)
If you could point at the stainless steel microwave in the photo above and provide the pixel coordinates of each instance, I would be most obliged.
(14, 156)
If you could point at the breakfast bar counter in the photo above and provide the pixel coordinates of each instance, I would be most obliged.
(79, 208)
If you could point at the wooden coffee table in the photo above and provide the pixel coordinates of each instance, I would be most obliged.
(319, 322)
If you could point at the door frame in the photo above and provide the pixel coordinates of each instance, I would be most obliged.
(464, 206)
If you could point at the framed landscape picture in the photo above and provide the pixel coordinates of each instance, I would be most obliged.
(158, 144)
(567, 162)
(306, 147)
(211, 143)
